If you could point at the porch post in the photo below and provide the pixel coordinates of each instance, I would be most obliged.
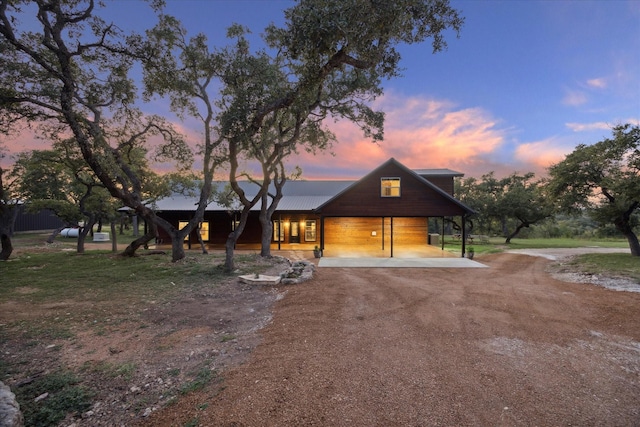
(464, 235)
(391, 237)
(442, 236)
(322, 232)
(383, 233)
(279, 225)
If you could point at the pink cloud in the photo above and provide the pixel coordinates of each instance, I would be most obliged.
(420, 133)
(541, 153)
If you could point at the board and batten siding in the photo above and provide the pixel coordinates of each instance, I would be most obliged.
(417, 198)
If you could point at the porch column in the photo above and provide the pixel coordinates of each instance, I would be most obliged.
(442, 235)
(464, 235)
(391, 237)
(279, 225)
(322, 232)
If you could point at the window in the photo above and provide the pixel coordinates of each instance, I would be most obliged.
(204, 230)
(310, 231)
(390, 187)
(278, 231)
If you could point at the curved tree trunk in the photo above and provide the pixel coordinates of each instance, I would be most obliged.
(203, 247)
(82, 235)
(623, 224)
(130, 250)
(230, 245)
(7, 247)
(516, 231)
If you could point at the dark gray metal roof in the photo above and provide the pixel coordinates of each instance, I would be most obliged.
(297, 195)
(437, 172)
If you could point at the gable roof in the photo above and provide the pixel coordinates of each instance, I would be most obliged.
(310, 195)
(394, 163)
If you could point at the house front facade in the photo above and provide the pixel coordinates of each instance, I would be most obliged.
(385, 213)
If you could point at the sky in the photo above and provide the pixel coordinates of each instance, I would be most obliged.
(522, 86)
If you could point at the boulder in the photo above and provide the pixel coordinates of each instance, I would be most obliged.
(10, 415)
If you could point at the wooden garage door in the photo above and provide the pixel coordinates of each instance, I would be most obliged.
(374, 234)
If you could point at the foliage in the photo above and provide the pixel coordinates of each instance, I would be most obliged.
(511, 203)
(603, 179)
(328, 61)
(70, 75)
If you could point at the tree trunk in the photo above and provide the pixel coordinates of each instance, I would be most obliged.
(623, 225)
(230, 245)
(55, 233)
(130, 250)
(517, 230)
(7, 247)
(203, 247)
(266, 213)
(265, 237)
(82, 234)
(8, 215)
(114, 240)
(177, 246)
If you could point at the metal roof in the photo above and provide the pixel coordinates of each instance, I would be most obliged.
(437, 172)
(297, 195)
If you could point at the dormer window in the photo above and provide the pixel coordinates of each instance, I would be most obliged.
(390, 187)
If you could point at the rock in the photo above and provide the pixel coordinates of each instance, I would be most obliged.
(10, 415)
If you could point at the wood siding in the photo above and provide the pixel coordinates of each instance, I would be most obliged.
(375, 232)
(417, 198)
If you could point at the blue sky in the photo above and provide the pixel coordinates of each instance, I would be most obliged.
(523, 85)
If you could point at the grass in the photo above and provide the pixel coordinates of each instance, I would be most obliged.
(618, 264)
(202, 377)
(60, 394)
(68, 292)
(621, 264)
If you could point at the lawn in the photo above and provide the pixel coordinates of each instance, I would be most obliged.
(98, 306)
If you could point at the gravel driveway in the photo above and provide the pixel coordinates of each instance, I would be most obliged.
(507, 345)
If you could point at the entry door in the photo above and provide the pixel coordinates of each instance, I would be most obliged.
(294, 232)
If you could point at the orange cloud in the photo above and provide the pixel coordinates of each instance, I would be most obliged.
(541, 153)
(420, 133)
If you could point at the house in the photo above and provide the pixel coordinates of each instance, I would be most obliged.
(383, 213)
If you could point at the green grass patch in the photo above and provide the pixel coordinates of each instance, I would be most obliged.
(564, 243)
(497, 244)
(57, 395)
(201, 379)
(99, 275)
(617, 264)
(111, 370)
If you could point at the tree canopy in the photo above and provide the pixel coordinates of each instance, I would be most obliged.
(604, 180)
(73, 72)
(513, 202)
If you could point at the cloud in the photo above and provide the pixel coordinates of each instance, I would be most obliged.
(587, 127)
(541, 154)
(599, 83)
(574, 98)
(419, 132)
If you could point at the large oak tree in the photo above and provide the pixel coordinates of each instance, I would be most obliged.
(603, 179)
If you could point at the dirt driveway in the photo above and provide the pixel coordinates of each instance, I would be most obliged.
(503, 346)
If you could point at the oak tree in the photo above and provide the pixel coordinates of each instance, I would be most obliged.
(603, 179)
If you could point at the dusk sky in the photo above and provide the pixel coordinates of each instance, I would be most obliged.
(523, 85)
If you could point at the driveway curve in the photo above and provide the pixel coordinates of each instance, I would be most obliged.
(507, 345)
